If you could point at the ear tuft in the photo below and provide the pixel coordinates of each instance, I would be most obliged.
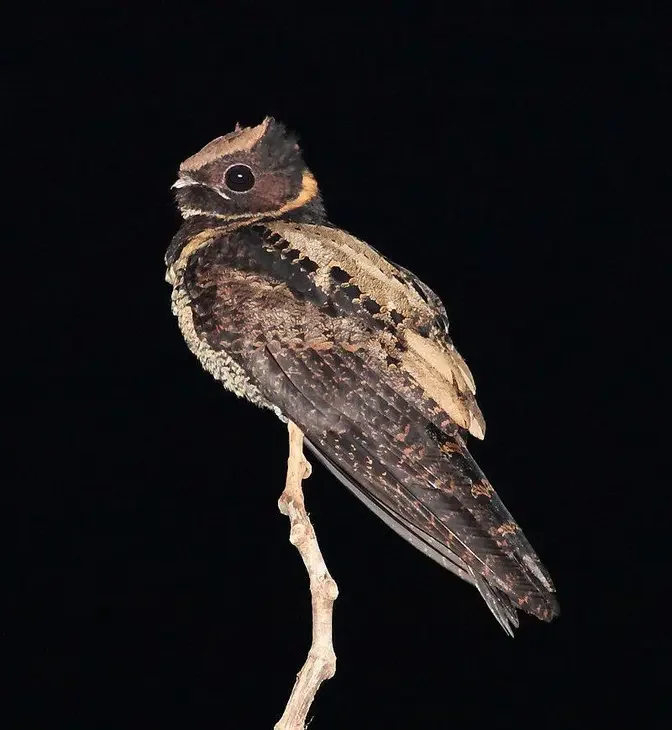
(242, 139)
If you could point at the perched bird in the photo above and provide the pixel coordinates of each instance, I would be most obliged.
(299, 316)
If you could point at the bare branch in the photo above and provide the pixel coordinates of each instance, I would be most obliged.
(321, 661)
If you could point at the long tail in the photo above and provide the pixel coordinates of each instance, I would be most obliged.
(429, 490)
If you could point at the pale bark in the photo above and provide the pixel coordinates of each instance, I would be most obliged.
(320, 663)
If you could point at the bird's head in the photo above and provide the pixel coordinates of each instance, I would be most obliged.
(249, 174)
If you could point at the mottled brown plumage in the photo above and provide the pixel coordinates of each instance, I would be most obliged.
(300, 317)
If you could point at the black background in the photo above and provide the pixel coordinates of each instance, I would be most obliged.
(504, 161)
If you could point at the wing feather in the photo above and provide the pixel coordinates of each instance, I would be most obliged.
(384, 407)
(378, 440)
(421, 324)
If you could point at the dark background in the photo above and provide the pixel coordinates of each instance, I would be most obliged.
(508, 163)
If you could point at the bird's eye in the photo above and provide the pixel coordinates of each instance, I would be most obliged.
(239, 178)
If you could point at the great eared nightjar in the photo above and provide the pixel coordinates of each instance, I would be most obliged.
(299, 316)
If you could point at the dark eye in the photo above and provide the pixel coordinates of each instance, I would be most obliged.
(239, 178)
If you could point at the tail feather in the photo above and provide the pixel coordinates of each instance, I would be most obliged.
(498, 602)
(419, 516)
(418, 478)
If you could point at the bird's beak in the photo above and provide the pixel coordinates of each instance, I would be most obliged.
(183, 182)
